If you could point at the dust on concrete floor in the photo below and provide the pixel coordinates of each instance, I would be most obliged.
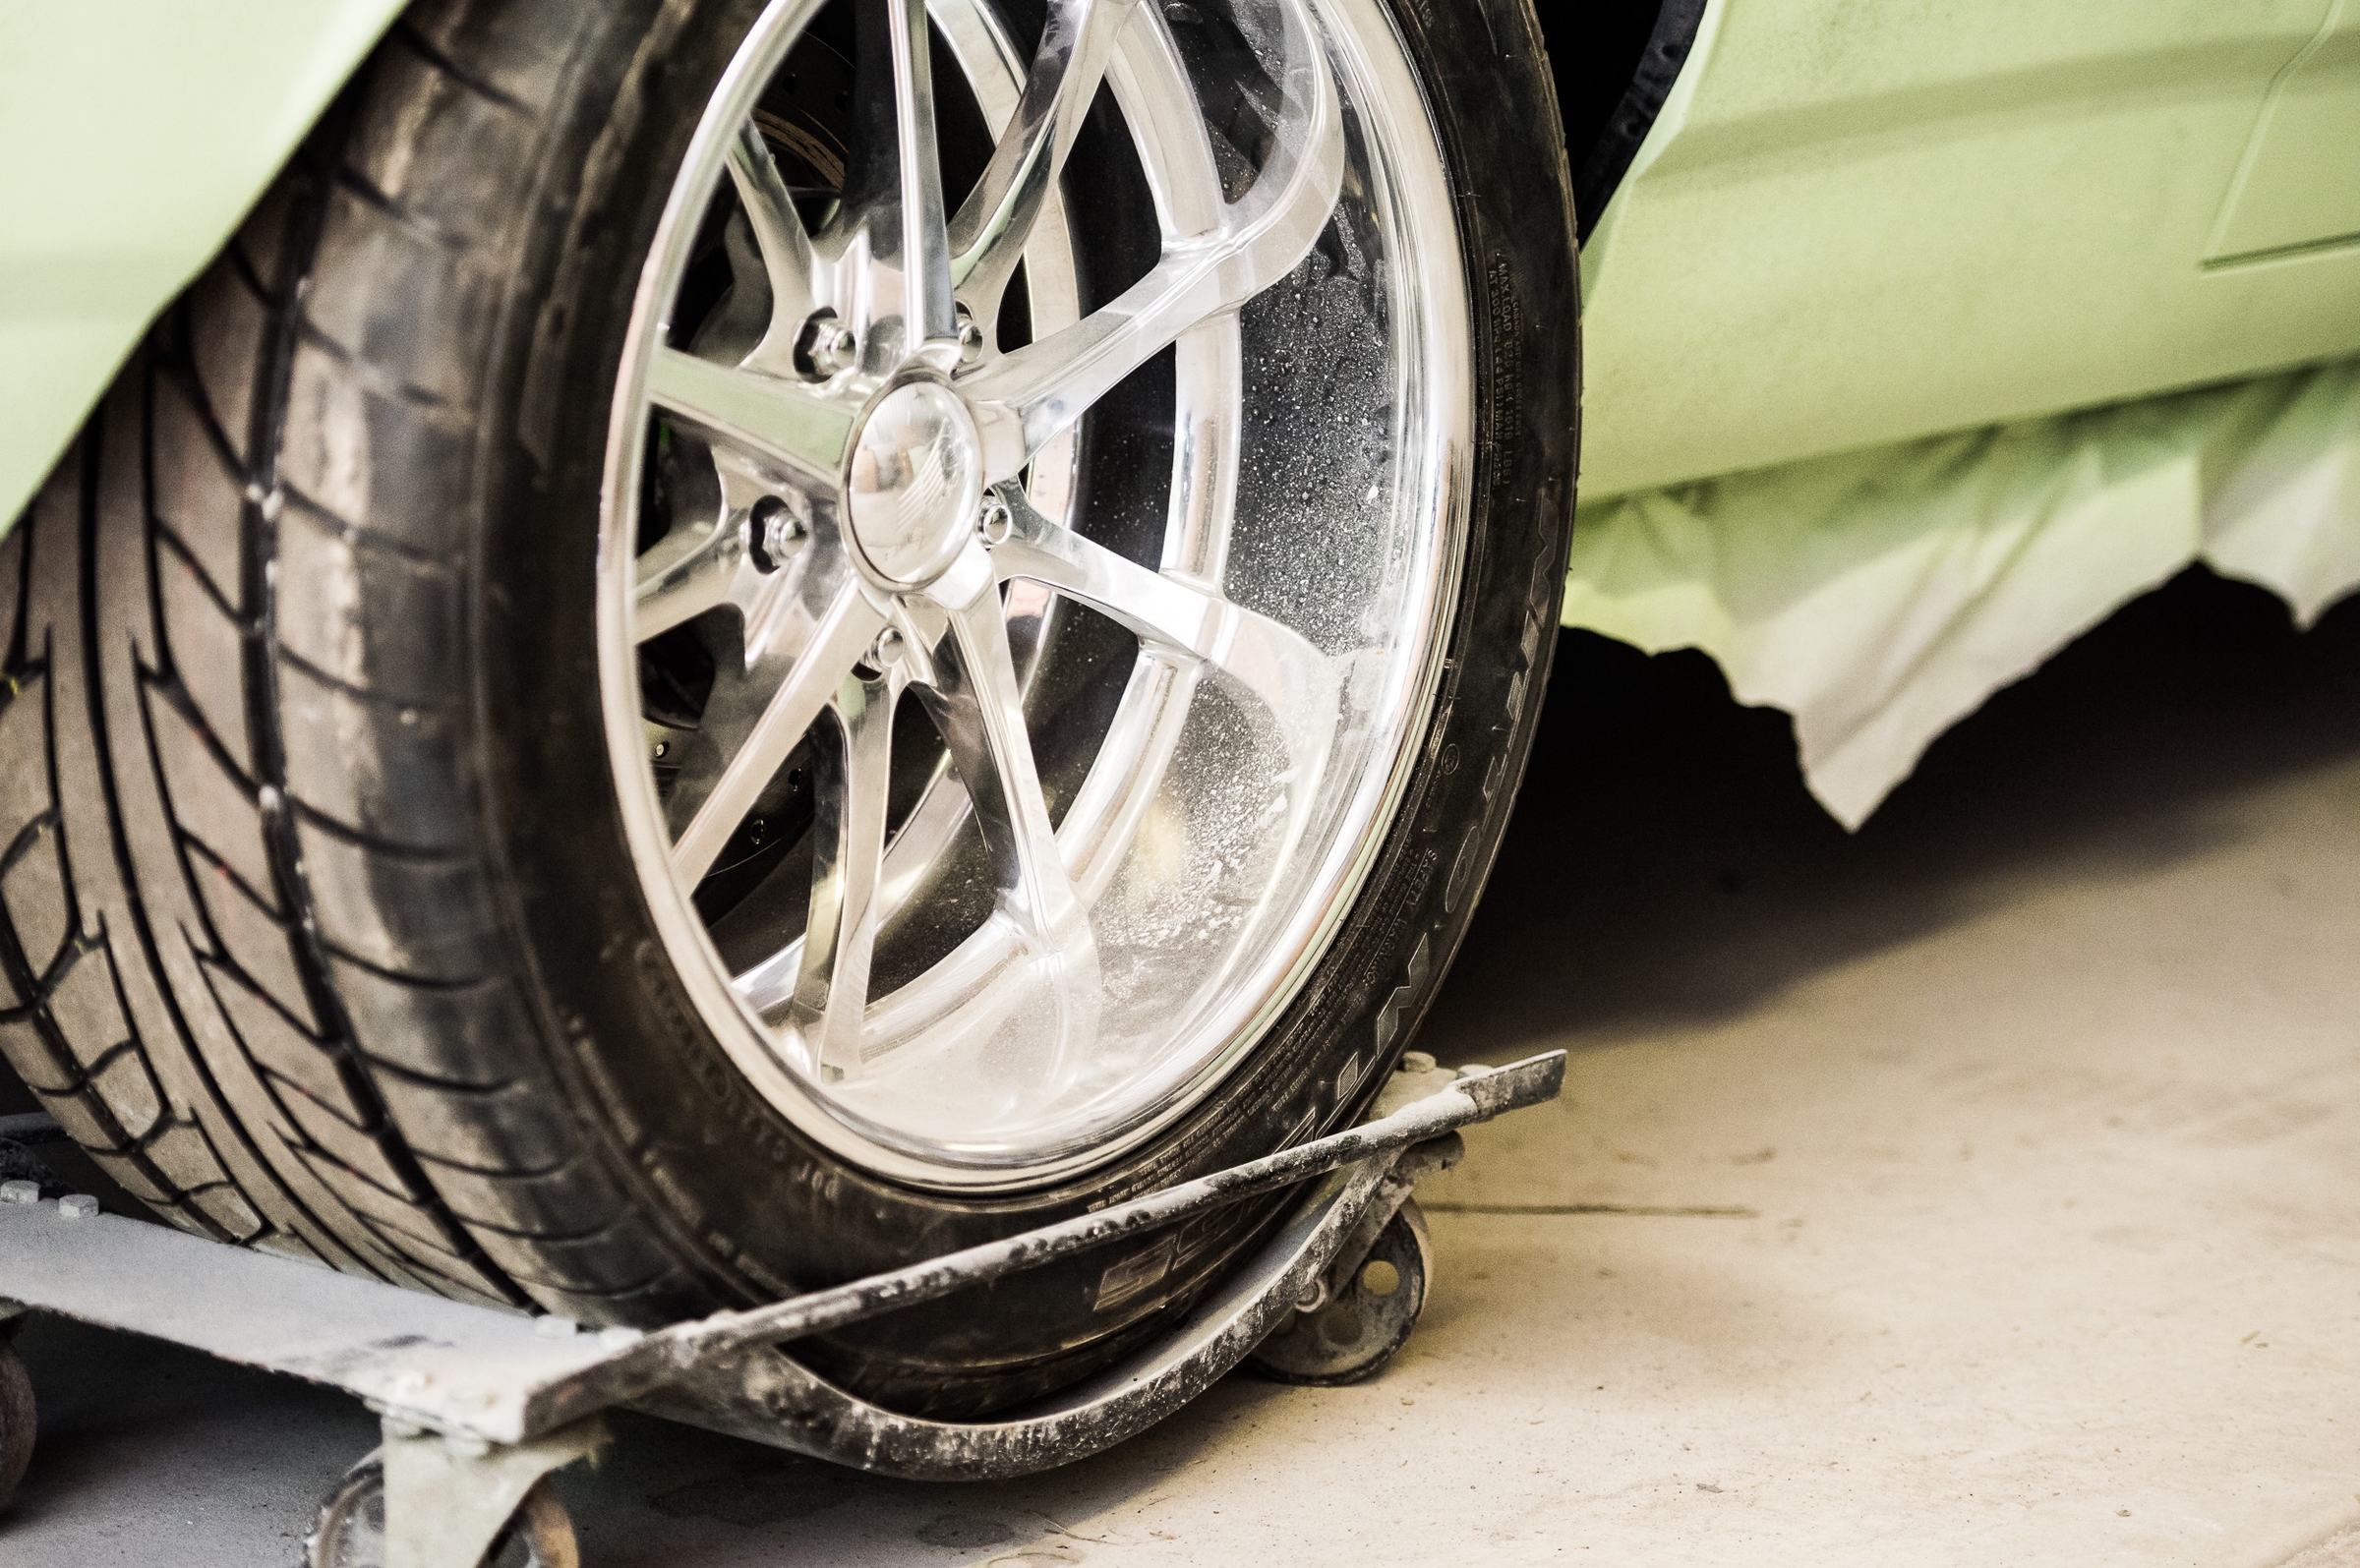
(2039, 1102)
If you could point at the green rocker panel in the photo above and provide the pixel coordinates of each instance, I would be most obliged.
(1858, 224)
(137, 132)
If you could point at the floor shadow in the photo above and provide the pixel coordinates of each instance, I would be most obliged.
(1667, 864)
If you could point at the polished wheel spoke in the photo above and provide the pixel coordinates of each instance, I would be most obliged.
(788, 263)
(710, 557)
(742, 694)
(929, 317)
(1025, 398)
(1187, 622)
(692, 570)
(978, 706)
(842, 635)
(987, 236)
(831, 992)
(793, 426)
(900, 201)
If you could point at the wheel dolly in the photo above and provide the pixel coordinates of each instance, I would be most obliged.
(479, 1404)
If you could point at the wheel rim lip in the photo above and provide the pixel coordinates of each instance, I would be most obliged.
(1432, 267)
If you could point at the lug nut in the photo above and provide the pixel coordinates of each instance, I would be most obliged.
(773, 533)
(825, 347)
(971, 337)
(995, 522)
(882, 654)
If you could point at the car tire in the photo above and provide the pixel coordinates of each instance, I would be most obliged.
(330, 923)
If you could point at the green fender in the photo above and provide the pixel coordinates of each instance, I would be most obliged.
(134, 136)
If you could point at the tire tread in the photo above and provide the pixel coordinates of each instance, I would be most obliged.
(278, 865)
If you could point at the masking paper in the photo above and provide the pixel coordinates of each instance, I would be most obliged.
(1880, 596)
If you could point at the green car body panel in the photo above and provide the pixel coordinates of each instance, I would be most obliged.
(1855, 224)
(1851, 224)
(137, 135)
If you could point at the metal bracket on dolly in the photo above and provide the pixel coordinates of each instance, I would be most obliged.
(480, 1403)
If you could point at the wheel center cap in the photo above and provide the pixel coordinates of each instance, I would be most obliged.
(917, 481)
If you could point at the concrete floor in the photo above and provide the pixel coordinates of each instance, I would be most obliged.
(1983, 1187)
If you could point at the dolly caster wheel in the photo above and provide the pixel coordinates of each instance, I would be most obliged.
(351, 1530)
(17, 1416)
(1354, 1326)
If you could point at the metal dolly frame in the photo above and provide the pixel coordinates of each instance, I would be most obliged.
(479, 1403)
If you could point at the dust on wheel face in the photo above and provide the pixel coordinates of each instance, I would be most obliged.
(1020, 594)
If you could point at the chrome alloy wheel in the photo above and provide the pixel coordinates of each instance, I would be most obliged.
(995, 932)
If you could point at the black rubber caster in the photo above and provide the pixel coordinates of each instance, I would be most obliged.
(17, 1418)
(1354, 1326)
(351, 1528)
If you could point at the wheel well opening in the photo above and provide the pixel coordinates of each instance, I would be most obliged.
(1614, 64)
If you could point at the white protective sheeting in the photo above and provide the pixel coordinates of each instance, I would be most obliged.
(1880, 596)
